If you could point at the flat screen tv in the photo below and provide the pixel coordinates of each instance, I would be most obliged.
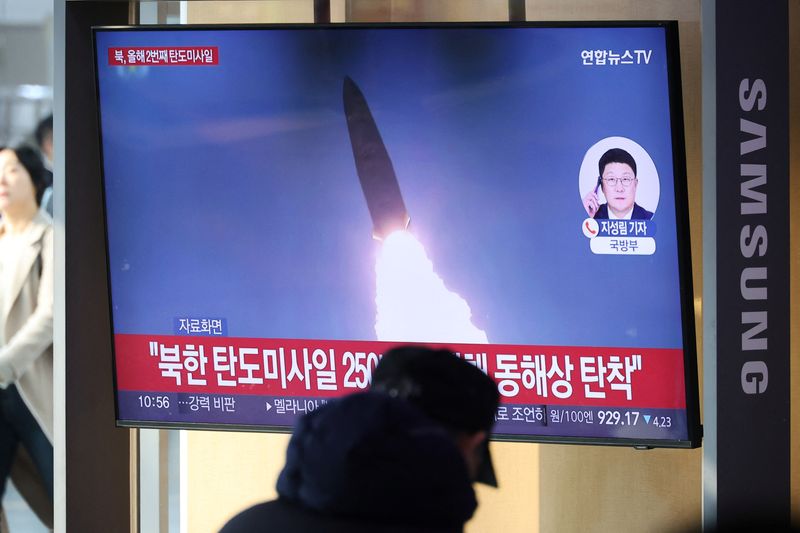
(284, 203)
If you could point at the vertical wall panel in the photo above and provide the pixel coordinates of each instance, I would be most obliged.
(97, 453)
(753, 376)
(794, 256)
(229, 472)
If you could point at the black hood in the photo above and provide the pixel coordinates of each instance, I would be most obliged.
(373, 457)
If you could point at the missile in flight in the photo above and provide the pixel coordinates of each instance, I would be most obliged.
(373, 165)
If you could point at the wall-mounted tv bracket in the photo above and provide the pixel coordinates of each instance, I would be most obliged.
(322, 11)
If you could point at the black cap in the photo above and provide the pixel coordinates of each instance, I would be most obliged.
(448, 389)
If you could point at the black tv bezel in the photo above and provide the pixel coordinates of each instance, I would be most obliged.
(690, 361)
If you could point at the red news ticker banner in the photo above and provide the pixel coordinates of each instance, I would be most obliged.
(163, 56)
(556, 375)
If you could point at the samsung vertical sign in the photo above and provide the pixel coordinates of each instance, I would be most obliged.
(753, 237)
(753, 261)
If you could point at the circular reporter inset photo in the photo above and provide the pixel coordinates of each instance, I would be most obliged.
(618, 180)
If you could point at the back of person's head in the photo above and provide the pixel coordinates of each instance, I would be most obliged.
(32, 163)
(371, 458)
(44, 130)
(385, 460)
(616, 155)
(450, 390)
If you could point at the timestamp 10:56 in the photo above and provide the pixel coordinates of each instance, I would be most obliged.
(159, 402)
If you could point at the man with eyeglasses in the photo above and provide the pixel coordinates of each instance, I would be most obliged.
(618, 179)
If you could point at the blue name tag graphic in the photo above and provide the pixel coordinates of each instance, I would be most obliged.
(626, 228)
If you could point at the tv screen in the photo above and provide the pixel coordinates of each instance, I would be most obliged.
(285, 203)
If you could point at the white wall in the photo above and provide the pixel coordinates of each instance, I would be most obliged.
(25, 11)
(25, 77)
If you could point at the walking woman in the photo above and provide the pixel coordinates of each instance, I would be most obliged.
(26, 322)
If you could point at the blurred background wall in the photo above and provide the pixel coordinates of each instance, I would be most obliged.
(26, 67)
(26, 96)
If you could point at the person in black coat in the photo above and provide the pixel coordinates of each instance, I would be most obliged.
(400, 457)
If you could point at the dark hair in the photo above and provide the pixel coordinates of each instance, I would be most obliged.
(43, 129)
(447, 388)
(29, 158)
(616, 155)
